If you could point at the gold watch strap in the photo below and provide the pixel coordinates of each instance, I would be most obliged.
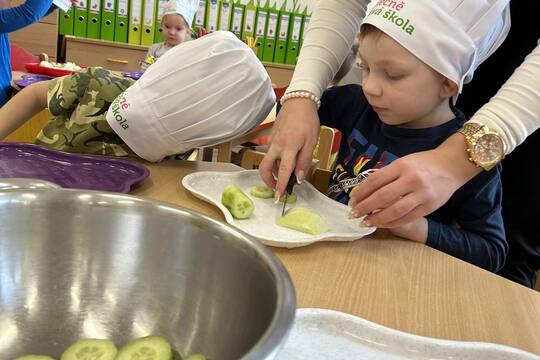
(469, 129)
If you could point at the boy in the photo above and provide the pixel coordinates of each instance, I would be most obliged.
(176, 28)
(412, 69)
(210, 91)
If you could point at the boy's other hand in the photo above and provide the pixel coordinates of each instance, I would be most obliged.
(293, 139)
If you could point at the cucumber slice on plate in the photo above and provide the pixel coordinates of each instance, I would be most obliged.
(90, 349)
(262, 191)
(196, 357)
(291, 199)
(145, 348)
(238, 203)
(34, 357)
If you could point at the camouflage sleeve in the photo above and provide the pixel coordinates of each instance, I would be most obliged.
(60, 101)
(67, 92)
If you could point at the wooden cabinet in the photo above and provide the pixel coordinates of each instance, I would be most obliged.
(41, 37)
(110, 55)
(280, 74)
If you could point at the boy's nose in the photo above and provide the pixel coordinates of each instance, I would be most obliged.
(371, 86)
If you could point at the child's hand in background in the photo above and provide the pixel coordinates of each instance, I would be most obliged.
(415, 231)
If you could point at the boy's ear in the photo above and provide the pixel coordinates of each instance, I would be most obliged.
(448, 88)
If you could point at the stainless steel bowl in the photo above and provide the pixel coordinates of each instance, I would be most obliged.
(83, 264)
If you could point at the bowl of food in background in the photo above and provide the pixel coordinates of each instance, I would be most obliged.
(53, 68)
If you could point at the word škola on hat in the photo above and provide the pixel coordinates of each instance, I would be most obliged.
(392, 15)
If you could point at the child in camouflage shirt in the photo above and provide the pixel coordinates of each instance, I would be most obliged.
(177, 105)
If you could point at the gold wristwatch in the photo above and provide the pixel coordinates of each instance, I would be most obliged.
(485, 147)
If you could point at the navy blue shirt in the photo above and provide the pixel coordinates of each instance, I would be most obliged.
(13, 19)
(469, 226)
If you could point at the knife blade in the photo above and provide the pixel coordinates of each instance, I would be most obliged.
(288, 191)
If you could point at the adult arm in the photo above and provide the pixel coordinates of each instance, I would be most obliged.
(18, 17)
(331, 33)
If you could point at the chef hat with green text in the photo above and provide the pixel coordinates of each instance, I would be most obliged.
(199, 93)
(452, 36)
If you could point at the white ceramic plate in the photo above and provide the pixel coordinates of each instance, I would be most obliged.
(208, 185)
(321, 334)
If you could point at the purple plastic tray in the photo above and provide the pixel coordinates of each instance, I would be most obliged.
(30, 79)
(92, 172)
(135, 75)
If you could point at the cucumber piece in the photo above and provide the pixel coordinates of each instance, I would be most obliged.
(262, 191)
(90, 349)
(304, 220)
(34, 357)
(291, 199)
(196, 357)
(176, 355)
(146, 348)
(238, 203)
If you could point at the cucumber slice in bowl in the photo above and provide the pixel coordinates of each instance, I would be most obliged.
(145, 348)
(90, 349)
(34, 357)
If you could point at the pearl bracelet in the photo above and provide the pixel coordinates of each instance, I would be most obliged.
(300, 94)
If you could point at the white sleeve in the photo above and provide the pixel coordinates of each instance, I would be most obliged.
(514, 112)
(328, 41)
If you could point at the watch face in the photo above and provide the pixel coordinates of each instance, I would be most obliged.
(488, 149)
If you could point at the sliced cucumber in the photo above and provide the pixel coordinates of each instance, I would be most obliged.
(34, 357)
(291, 199)
(262, 191)
(196, 357)
(238, 203)
(304, 220)
(90, 349)
(176, 355)
(146, 348)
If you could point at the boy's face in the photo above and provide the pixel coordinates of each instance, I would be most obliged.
(175, 29)
(401, 88)
(4, 4)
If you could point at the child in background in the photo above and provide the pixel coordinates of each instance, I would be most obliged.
(412, 69)
(210, 91)
(176, 28)
(13, 19)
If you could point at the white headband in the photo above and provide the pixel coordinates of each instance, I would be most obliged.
(452, 36)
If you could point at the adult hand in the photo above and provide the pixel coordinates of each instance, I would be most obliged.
(293, 139)
(414, 185)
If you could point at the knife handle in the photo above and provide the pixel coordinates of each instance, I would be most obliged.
(291, 183)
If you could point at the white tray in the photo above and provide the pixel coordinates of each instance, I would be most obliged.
(208, 185)
(320, 334)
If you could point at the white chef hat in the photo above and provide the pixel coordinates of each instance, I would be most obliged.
(453, 37)
(200, 93)
(186, 8)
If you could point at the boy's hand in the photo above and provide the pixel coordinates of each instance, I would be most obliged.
(415, 231)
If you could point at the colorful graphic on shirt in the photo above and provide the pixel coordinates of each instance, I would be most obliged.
(361, 156)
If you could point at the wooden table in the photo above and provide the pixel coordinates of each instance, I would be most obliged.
(400, 284)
